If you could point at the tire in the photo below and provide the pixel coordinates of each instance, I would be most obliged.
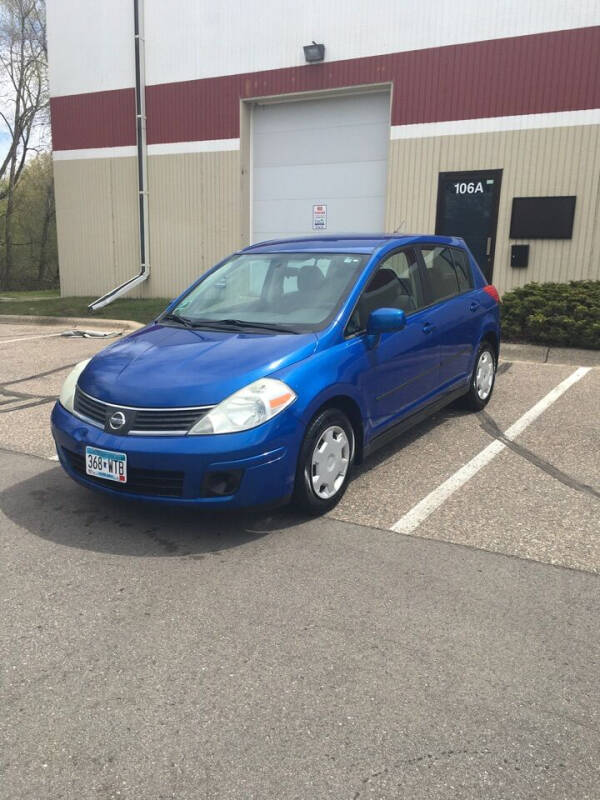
(318, 491)
(482, 379)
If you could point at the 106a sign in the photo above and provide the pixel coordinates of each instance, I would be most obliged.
(468, 188)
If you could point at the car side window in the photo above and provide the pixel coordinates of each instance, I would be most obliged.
(440, 272)
(395, 284)
(463, 269)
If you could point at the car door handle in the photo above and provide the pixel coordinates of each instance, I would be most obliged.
(474, 306)
(428, 327)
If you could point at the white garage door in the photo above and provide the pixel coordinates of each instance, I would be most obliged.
(330, 153)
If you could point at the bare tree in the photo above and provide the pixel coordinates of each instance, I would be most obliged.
(23, 100)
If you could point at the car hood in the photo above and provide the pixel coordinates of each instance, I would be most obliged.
(166, 366)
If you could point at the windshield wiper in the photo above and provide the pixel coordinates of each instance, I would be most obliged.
(264, 326)
(177, 318)
(226, 324)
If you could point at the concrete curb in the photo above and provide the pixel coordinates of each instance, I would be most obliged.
(549, 355)
(90, 322)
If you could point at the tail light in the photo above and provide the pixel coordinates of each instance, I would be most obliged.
(492, 291)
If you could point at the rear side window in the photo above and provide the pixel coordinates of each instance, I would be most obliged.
(463, 270)
(440, 272)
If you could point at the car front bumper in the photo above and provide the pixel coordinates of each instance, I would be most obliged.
(177, 469)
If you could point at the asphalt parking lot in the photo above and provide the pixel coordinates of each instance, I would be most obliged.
(436, 636)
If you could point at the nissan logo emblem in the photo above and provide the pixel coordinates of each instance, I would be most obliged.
(117, 420)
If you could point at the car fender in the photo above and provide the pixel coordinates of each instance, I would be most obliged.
(319, 379)
(489, 324)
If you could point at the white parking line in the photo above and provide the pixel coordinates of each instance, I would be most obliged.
(29, 338)
(419, 513)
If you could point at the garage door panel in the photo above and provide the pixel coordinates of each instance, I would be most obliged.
(308, 114)
(332, 151)
(353, 214)
(336, 180)
(366, 142)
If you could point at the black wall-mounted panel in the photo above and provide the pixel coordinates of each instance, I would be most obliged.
(519, 255)
(542, 217)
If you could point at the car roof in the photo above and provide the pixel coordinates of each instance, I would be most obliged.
(347, 243)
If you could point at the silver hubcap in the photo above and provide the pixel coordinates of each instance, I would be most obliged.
(330, 462)
(484, 375)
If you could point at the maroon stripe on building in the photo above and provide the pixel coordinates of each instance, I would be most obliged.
(98, 119)
(545, 72)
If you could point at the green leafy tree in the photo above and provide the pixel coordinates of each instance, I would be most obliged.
(33, 227)
(23, 108)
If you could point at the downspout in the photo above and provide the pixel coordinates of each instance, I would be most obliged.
(140, 116)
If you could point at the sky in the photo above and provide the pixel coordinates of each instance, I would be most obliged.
(4, 142)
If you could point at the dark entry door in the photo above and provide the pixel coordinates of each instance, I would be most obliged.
(468, 207)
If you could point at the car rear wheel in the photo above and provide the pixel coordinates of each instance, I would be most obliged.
(325, 462)
(483, 378)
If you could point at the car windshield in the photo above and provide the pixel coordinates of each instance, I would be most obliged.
(284, 291)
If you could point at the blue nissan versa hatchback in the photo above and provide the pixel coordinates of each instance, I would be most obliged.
(279, 369)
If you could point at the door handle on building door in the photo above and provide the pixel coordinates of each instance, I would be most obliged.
(488, 247)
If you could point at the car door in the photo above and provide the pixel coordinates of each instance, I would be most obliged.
(403, 365)
(453, 303)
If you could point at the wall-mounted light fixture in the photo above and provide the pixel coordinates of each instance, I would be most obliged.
(314, 52)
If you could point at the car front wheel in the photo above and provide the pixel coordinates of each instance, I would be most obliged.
(325, 462)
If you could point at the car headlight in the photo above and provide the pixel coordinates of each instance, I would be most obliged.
(251, 406)
(67, 393)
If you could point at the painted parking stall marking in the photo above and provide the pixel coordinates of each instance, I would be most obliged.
(30, 338)
(419, 513)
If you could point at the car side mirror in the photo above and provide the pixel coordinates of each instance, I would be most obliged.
(385, 320)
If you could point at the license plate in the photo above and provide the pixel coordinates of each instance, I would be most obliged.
(106, 464)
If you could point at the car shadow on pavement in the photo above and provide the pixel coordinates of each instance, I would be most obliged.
(50, 505)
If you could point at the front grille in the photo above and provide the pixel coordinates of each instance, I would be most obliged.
(141, 421)
(175, 419)
(90, 408)
(151, 482)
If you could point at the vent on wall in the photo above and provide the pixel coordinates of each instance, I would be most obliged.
(542, 217)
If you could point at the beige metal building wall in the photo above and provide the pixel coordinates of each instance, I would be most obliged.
(537, 162)
(194, 216)
(196, 202)
(194, 220)
(97, 223)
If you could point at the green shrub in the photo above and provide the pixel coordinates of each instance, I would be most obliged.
(559, 314)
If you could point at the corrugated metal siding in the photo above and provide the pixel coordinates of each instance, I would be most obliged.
(194, 208)
(551, 161)
(196, 199)
(97, 222)
(240, 36)
(544, 72)
(98, 119)
(90, 44)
